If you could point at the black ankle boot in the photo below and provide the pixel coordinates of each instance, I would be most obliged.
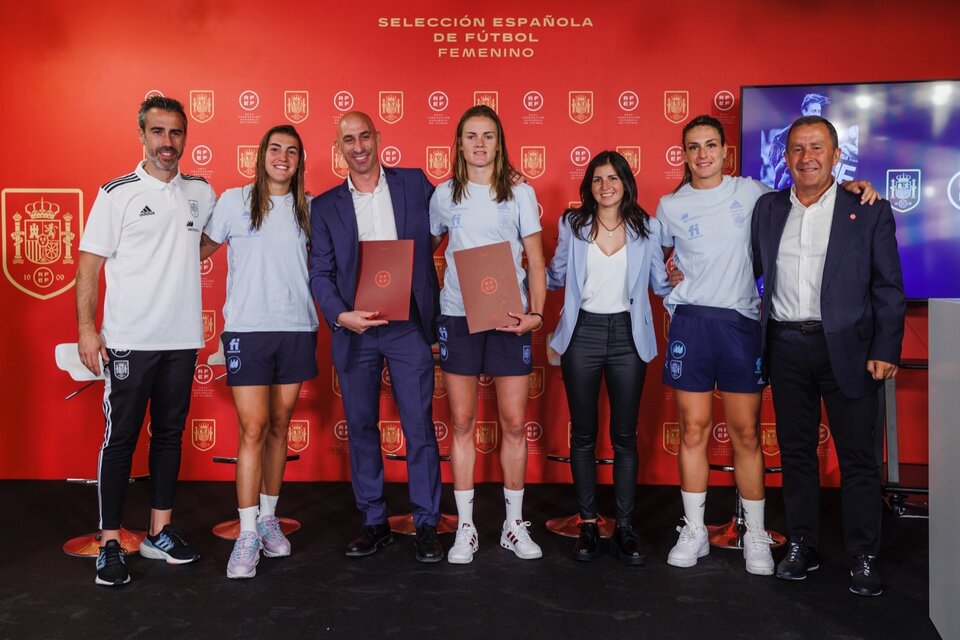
(587, 547)
(627, 545)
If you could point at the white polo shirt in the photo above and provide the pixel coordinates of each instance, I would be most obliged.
(149, 232)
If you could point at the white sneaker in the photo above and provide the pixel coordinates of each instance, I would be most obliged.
(516, 538)
(465, 545)
(693, 544)
(756, 551)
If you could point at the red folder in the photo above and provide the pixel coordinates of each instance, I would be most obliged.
(488, 282)
(386, 275)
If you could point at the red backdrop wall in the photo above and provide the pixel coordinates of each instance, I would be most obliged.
(569, 79)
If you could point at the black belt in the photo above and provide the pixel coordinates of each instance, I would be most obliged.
(807, 326)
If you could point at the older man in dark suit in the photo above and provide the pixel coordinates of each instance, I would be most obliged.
(832, 320)
(378, 203)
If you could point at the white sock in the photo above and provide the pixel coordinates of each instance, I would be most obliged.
(268, 506)
(693, 505)
(753, 513)
(514, 503)
(248, 519)
(464, 507)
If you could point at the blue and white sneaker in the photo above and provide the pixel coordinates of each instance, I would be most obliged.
(246, 554)
(168, 545)
(111, 565)
(275, 544)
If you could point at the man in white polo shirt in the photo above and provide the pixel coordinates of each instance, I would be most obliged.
(144, 230)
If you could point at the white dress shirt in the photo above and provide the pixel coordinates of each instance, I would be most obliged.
(803, 248)
(375, 219)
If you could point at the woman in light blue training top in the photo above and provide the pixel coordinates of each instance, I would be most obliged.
(608, 257)
(483, 204)
(270, 331)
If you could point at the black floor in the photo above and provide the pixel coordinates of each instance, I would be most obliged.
(318, 592)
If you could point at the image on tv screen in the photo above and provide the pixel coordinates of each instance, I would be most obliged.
(904, 137)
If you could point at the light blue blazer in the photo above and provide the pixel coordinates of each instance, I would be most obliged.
(644, 265)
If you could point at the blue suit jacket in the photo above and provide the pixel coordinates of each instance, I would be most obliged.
(644, 265)
(862, 303)
(334, 255)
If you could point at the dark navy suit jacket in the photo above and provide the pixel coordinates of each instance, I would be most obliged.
(334, 255)
(862, 303)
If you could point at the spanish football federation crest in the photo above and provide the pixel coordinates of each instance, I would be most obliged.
(298, 436)
(209, 317)
(391, 106)
(296, 106)
(391, 436)
(580, 106)
(203, 433)
(486, 436)
(247, 160)
(438, 162)
(440, 265)
(337, 163)
(341, 431)
(536, 382)
(671, 438)
(730, 161)
(201, 105)
(903, 189)
(486, 98)
(676, 106)
(39, 230)
(632, 156)
(768, 438)
(439, 383)
(533, 161)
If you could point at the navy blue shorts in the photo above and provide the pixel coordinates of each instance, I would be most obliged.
(269, 357)
(710, 347)
(494, 353)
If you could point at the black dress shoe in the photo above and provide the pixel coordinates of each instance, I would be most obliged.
(373, 537)
(864, 578)
(587, 546)
(428, 544)
(799, 560)
(627, 546)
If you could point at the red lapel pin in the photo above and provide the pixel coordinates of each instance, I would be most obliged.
(853, 216)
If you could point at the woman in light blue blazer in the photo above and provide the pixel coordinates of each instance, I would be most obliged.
(610, 249)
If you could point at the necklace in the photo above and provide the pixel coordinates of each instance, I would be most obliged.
(609, 230)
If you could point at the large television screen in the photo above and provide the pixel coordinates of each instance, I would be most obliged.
(904, 137)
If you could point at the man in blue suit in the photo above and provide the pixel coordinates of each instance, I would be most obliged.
(832, 320)
(378, 203)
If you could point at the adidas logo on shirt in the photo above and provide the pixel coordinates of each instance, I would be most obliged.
(146, 211)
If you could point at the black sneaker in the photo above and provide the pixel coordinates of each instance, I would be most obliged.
(864, 578)
(168, 545)
(627, 545)
(587, 546)
(111, 565)
(799, 560)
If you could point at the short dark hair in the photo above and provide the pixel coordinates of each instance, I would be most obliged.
(160, 102)
(808, 121)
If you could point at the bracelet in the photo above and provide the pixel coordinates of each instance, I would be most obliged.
(539, 315)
